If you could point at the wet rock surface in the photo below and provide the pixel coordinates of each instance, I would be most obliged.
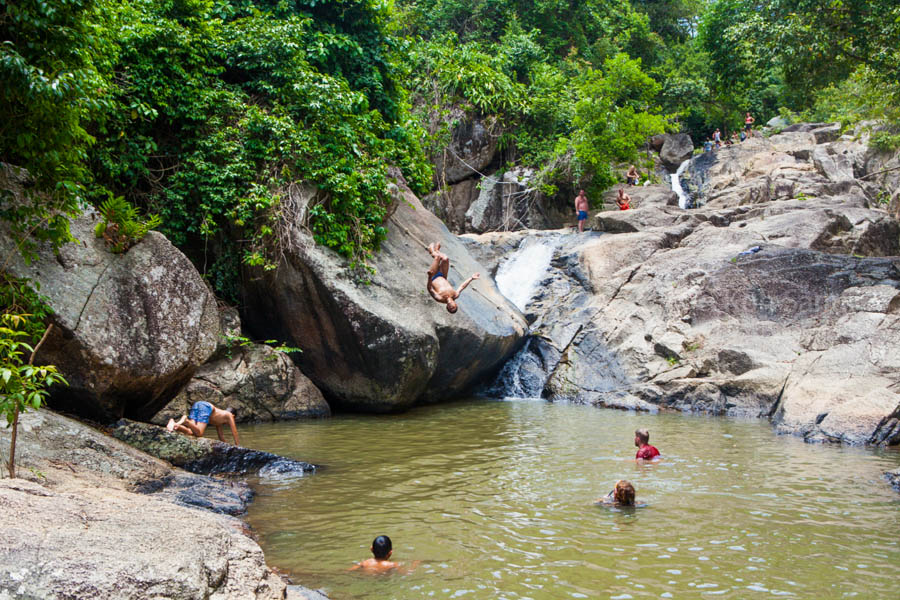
(203, 455)
(152, 531)
(778, 298)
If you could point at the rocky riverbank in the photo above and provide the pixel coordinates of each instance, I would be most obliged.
(778, 298)
(91, 517)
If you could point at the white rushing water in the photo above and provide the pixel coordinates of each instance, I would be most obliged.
(519, 275)
(676, 184)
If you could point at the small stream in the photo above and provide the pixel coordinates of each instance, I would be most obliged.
(496, 499)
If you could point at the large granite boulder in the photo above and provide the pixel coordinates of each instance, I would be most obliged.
(677, 148)
(257, 382)
(91, 517)
(473, 145)
(130, 329)
(383, 345)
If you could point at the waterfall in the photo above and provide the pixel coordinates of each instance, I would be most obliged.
(519, 275)
(523, 376)
(684, 201)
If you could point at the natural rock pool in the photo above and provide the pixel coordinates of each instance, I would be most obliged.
(496, 500)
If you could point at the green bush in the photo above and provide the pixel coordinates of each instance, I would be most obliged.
(122, 226)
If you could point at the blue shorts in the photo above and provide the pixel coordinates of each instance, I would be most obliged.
(200, 412)
(582, 215)
(438, 274)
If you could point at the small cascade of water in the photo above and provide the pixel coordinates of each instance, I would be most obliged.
(684, 201)
(519, 275)
(522, 376)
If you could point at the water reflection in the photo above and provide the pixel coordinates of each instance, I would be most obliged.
(497, 499)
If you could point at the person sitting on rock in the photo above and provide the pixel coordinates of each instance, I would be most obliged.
(623, 200)
(438, 285)
(632, 176)
(621, 495)
(202, 414)
(645, 450)
(381, 551)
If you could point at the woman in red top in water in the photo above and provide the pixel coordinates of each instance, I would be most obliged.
(645, 450)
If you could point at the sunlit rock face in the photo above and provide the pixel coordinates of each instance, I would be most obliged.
(778, 298)
(379, 342)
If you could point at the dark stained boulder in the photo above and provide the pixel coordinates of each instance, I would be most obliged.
(203, 455)
(383, 345)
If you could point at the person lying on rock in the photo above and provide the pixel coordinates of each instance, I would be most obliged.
(645, 450)
(438, 285)
(202, 414)
(380, 563)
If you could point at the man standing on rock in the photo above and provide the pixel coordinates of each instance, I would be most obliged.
(202, 414)
(748, 125)
(581, 208)
(438, 285)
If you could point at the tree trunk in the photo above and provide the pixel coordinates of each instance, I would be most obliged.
(15, 423)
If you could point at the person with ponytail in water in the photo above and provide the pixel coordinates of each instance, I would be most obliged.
(621, 495)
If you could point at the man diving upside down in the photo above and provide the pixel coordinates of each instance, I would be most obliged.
(438, 285)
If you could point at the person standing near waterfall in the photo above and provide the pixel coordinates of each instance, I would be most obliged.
(581, 209)
(438, 285)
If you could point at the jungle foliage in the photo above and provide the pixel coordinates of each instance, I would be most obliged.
(209, 113)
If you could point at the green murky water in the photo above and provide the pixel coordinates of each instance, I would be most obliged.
(496, 500)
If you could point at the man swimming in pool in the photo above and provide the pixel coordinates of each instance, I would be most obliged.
(202, 414)
(438, 285)
(645, 450)
(382, 549)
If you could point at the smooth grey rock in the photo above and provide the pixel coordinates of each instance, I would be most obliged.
(91, 517)
(472, 148)
(835, 167)
(262, 384)
(385, 345)
(486, 212)
(778, 123)
(676, 149)
(130, 329)
(298, 592)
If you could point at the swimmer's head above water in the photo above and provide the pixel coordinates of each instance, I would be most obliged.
(624, 493)
(382, 547)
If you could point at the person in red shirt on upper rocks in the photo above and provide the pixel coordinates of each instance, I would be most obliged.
(645, 450)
